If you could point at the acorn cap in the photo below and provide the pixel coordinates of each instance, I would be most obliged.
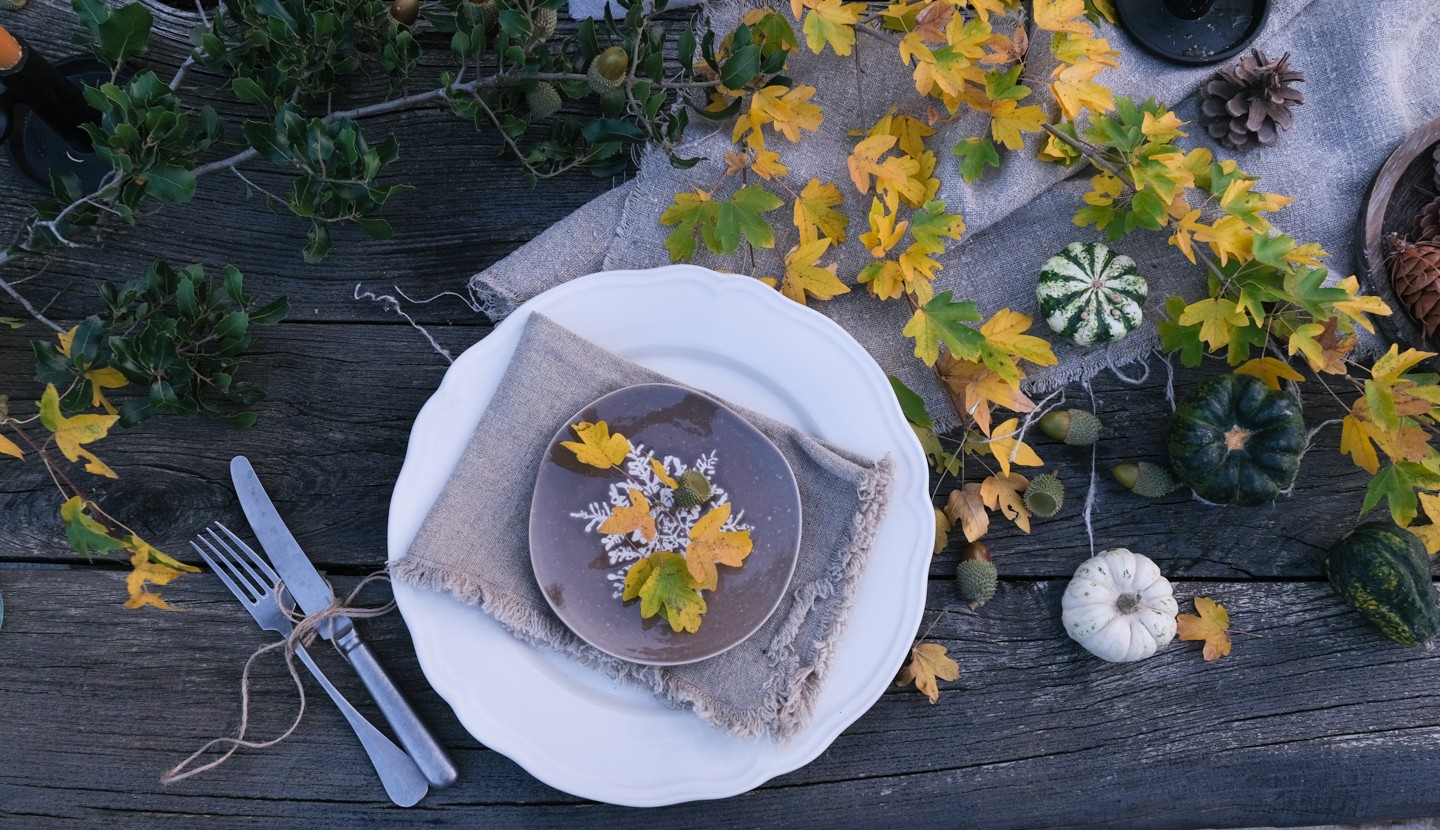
(1073, 426)
(543, 101)
(692, 489)
(976, 577)
(1044, 495)
(1144, 478)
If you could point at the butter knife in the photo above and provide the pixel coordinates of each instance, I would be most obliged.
(313, 594)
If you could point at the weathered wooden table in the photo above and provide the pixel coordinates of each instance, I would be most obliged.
(1314, 718)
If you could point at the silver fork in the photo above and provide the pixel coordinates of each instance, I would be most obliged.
(251, 579)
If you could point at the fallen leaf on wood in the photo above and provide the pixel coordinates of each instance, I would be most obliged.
(928, 663)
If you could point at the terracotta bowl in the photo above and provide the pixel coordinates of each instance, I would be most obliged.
(581, 579)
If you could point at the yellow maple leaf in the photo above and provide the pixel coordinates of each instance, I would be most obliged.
(1073, 48)
(831, 22)
(1302, 340)
(72, 433)
(1228, 237)
(1217, 318)
(597, 447)
(973, 386)
(805, 276)
(815, 213)
(1355, 442)
(966, 507)
(1002, 493)
(928, 664)
(910, 133)
(150, 566)
(1006, 331)
(886, 280)
(1182, 236)
(985, 8)
(1212, 626)
(917, 272)
(100, 379)
(1164, 129)
(1105, 189)
(1308, 254)
(1062, 16)
(1358, 308)
(1075, 89)
(635, 517)
(709, 545)
(1429, 534)
(1395, 363)
(1009, 449)
(895, 173)
(1269, 369)
(660, 473)
(1008, 120)
(663, 584)
(885, 233)
(8, 447)
(942, 530)
(787, 111)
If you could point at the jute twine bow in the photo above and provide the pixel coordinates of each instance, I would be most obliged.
(307, 628)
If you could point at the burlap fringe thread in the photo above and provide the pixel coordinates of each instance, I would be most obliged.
(307, 628)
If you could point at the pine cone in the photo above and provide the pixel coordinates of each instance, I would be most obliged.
(1249, 102)
(1415, 276)
(1427, 223)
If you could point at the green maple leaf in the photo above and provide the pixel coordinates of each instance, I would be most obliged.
(663, 584)
(931, 225)
(741, 215)
(943, 319)
(85, 534)
(976, 153)
(1175, 337)
(1001, 85)
(688, 212)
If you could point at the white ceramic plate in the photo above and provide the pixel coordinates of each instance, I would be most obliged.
(573, 728)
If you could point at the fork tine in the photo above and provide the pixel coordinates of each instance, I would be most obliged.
(240, 593)
(250, 552)
(227, 558)
(237, 559)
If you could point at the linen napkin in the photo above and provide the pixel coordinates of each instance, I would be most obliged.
(1371, 78)
(475, 541)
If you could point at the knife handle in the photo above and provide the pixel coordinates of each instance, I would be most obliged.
(427, 753)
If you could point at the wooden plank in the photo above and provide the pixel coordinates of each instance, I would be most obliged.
(1313, 718)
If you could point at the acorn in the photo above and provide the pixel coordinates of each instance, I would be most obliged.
(543, 101)
(607, 70)
(692, 489)
(543, 26)
(405, 12)
(1144, 479)
(489, 13)
(976, 576)
(1044, 495)
(1075, 427)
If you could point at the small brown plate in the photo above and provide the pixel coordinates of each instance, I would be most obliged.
(582, 579)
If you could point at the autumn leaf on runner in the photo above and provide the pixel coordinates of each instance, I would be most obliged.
(631, 519)
(805, 276)
(975, 154)
(1212, 626)
(786, 110)
(662, 583)
(597, 447)
(829, 23)
(943, 320)
(720, 223)
(72, 433)
(895, 174)
(815, 214)
(928, 664)
(709, 545)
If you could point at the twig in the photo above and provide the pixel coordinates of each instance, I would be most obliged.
(19, 298)
(879, 35)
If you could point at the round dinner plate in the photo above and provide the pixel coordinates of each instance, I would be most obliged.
(581, 570)
(735, 338)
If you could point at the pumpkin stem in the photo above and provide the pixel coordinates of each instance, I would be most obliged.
(1236, 437)
(1127, 603)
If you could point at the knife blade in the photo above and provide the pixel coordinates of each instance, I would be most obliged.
(310, 590)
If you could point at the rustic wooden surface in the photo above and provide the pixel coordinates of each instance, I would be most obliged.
(1314, 718)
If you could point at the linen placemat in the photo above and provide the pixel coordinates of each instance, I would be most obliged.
(475, 541)
(1371, 78)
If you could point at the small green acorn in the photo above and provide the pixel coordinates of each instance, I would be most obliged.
(543, 101)
(1073, 426)
(607, 70)
(692, 489)
(1144, 478)
(976, 576)
(1045, 495)
(489, 13)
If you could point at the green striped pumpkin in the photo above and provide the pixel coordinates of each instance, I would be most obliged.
(1090, 294)
(1384, 573)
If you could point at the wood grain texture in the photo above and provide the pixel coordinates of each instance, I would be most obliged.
(1314, 717)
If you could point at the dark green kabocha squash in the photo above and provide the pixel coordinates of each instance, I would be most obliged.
(1235, 440)
(1384, 573)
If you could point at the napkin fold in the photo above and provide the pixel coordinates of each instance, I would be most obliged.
(475, 541)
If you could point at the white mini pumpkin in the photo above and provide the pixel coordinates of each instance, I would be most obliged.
(1119, 607)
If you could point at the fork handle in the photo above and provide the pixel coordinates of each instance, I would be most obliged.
(429, 756)
(402, 779)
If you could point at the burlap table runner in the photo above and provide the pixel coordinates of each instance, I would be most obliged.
(475, 541)
(1372, 77)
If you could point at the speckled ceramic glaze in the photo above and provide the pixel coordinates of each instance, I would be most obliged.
(571, 564)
